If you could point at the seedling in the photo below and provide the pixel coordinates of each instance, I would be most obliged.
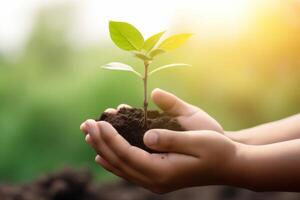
(128, 38)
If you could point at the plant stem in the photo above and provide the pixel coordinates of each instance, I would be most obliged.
(145, 79)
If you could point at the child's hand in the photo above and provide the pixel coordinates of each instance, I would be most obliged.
(190, 117)
(195, 158)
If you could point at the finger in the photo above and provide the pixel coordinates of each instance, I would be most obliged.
(89, 140)
(94, 138)
(131, 155)
(111, 111)
(83, 127)
(187, 115)
(172, 141)
(104, 151)
(106, 165)
(99, 145)
(123, 106)
(171, 104)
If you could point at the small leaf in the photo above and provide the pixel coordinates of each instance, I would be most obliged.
(152, 41)
(169, 66)
(141, 56)
(156, 52)
(125, 36)
(174, 41)
(121, 67)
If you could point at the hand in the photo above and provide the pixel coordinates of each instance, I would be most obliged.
(196, 157)
(189, 117)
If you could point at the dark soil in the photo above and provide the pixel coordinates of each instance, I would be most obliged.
(129, 123)
(70, 184)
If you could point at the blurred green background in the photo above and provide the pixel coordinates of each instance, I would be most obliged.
(48, 89)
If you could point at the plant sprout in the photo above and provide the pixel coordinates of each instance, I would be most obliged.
(128, 38)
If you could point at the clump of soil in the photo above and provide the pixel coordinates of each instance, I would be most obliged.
(129, 122)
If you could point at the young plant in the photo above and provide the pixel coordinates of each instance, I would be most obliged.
(128, 38)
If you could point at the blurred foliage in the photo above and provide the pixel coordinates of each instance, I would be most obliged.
(53, 86)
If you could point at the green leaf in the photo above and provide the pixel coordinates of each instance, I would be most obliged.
(141, 55)
(125, 36)
(156, 52)
(121, 67)
(168, 66)
(174, 41)
(152, 41)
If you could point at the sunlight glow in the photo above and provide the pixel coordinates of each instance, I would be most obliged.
(91, 17)
(216, 17)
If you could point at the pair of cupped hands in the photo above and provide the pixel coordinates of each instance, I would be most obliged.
(201, 155)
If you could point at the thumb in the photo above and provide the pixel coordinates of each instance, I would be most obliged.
(170, 141)
(171, 104)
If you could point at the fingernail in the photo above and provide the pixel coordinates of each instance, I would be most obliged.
(82, 126)
(87, 138)
(91, 128)
(156, 90)
(111, 111)
(97, 158)
(151, 138)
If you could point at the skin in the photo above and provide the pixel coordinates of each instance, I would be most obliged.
(273, 132)
(263, 158)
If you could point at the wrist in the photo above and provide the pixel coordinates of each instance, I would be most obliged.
(238, 136)
(240, 170)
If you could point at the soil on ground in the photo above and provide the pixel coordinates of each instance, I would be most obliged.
(71, 184)
(129, 122)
